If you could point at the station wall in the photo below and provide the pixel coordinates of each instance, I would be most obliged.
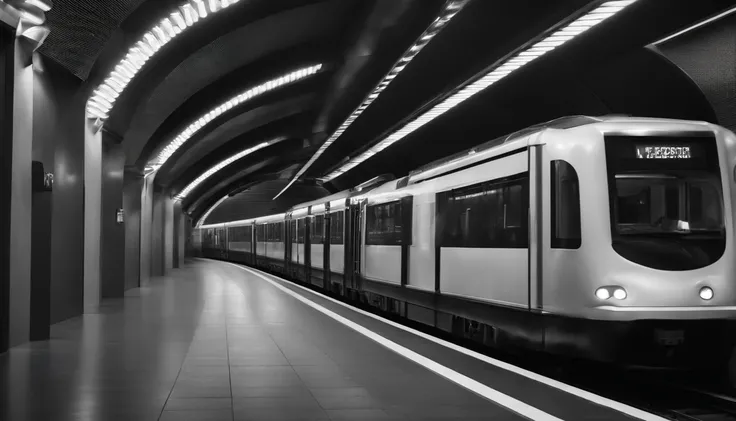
(708, 56)
(57, 143)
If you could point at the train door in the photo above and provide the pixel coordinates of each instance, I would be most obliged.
(555, 223)
(287, 245)
(253, 245)
(308, 246)
(354, 249)
(327, 244)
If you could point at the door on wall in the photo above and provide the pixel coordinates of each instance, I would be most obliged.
(6, 172)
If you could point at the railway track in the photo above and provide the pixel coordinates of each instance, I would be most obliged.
(699, 405)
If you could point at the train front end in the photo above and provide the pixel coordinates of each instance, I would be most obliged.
(655, 270)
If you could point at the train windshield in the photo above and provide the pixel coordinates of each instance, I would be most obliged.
(666, 201)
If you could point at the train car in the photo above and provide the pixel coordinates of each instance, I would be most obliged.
(214, 241)
(316, 238)
(270, 242)
(609, 238)
(241, 247)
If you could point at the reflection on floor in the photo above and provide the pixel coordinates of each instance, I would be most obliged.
(211, 342)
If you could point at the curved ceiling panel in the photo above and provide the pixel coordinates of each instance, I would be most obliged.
(233, 128)
(223, 164)
(242, 80)
(290, 127)
(201, 201)
(168, 58)
(222, 111)
(256, 201)
(221, 57)
(265, 164)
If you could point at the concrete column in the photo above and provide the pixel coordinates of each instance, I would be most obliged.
(157, 234)
(21, 199)
(146, 232)
(169, 244)
(132, 200)
(112, 264)
(180, 234)
(92, 216)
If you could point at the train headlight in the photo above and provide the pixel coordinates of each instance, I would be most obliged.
(603, 293)
(706, 293)
(619, 294)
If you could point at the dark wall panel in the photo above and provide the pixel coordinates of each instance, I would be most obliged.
(132, 187)
(708, 55)
(112, 254)
(58, 142)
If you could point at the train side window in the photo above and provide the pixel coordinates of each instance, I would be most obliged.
(385, 224)
(260, 233)
(337, 227)
(317, 229)
(485, 215)
(301, 230)
(565, 206)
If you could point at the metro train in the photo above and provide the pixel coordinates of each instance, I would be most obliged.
(605, 238)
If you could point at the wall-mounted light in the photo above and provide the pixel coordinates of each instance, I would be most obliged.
(120, 216)
(246, 96)
(451, 9)
(222, 164)
(104, 97)
(499, 71)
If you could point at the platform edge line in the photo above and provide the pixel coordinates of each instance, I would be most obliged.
(575, 391)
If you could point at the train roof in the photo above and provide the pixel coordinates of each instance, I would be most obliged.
(345, 194)
(386, 183)
(561, 123)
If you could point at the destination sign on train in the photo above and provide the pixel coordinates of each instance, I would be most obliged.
(663, 152)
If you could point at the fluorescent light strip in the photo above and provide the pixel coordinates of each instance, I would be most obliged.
(209, 173)
(167, 29)
(209, 211)
(503, 69)
(448, 12)
(697, 25)
(252, 93)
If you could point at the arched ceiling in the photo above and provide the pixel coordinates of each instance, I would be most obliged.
(357, 42)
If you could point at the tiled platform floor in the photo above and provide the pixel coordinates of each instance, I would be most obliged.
(212, 342)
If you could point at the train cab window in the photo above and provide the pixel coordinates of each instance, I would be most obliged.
(317, 229)
(564, 206)
(666, 200)
(486, 215)
(337, 227)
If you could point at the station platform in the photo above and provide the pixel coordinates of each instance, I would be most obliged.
(216, 341)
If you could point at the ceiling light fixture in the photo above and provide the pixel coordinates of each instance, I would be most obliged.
(499, 71)
(245, 96)
(185, 16)
(212, 171)
(448, 12)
